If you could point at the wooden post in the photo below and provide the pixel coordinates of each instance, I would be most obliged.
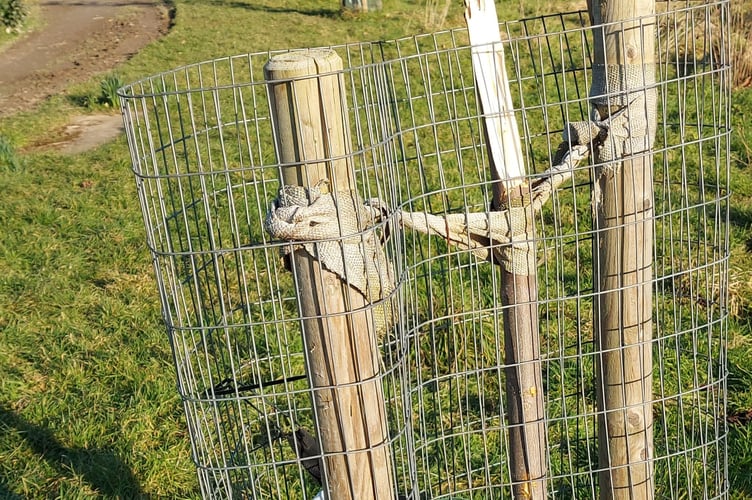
(342, 354)
(623, 75)
(361, 5)
(519, 281)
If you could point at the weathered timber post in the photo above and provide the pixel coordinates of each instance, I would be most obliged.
(519, 280)
(361, 5)
(342, 354)
(624, 75)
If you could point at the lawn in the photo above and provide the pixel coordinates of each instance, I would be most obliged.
(88, 400)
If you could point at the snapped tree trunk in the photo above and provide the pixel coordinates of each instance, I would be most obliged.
(519, 279)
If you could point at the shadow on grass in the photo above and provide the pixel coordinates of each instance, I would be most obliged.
(6, 493)
(740, 460)
(101, 469)
(739, 419)
(322, 12)
(740, 216)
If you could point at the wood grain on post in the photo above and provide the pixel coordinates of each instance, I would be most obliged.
(623, 243)
(519, 285)
(342, 354)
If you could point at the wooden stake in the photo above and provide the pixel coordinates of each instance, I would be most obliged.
(623, 243)
(357, 6)
(519, 294)
(342, 354)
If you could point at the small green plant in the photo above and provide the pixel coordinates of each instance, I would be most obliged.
(8, 159)
(12, 14)
(109, 87)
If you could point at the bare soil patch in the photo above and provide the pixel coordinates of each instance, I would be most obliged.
(82, 133)
(78, 39)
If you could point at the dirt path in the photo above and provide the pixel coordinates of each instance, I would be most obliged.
(78, 39)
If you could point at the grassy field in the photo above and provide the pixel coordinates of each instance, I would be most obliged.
(88, 406)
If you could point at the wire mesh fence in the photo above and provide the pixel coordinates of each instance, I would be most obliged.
(205, 147)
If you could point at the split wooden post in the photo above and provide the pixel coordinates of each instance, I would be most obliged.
(519, 281)
(361, 5)
(342, 354)
(623, 75)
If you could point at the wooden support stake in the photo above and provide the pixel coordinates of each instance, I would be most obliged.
(623, 73)
(342, 354)
(361, 5)
(519, 293)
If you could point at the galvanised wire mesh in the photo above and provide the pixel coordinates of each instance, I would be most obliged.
(206, 169)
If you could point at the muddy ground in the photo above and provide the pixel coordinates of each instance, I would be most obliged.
(76, 40)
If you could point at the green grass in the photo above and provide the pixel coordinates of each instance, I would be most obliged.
(88, 405)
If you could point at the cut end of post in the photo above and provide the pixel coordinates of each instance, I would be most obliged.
(302, 63)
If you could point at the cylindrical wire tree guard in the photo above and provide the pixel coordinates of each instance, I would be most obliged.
(205, 148)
